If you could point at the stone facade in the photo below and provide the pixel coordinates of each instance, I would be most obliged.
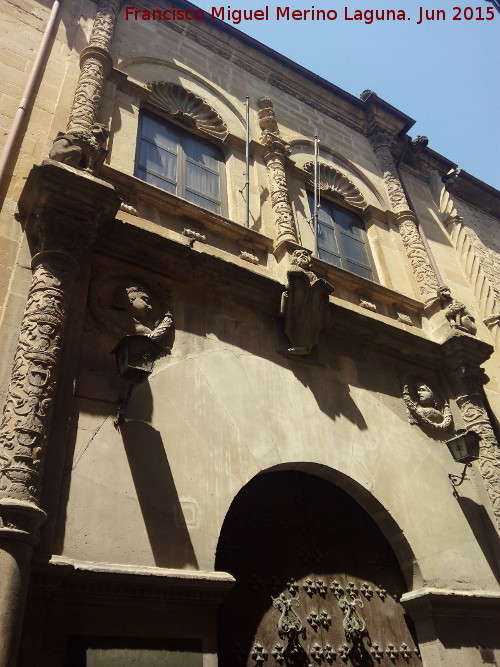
(115, 496)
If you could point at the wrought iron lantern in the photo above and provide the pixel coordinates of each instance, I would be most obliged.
(135, 357)
(464, 448)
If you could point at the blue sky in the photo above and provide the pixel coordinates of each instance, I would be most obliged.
(444, 74)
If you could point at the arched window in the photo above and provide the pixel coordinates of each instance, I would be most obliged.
(342, 238)
(179, 162)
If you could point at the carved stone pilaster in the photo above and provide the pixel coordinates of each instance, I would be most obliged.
(467, 379)
(64, 210)
(412, 241)
(95, 64)
(275, 154)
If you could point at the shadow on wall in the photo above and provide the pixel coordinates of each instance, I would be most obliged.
(484, 532)
(157, 495)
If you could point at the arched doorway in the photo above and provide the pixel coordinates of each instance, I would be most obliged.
(317, 583)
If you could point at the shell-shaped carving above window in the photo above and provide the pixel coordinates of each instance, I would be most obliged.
(187, 108)
(338, 184)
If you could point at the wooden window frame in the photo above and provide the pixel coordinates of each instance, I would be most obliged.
(339, 231)
(182, 161)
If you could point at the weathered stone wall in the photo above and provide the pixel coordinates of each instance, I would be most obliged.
(226, 405)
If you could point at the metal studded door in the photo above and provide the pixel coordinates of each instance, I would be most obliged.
(317, 583)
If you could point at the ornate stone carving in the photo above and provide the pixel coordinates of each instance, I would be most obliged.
(195, 236)
(458, 315)
(187, 108)
(81, 149)
(276, 151)
(62, 238)
(366, 303)
(471, 251)
(426, 408)
(304, 304)
(408, 228)
(336, 183)
(249, 257)
(122, 307)
(443, 199)
(30, 398)
(95, 63)
(468, 380)
(403, 317)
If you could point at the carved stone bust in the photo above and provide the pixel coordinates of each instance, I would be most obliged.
(124, 307)
(425, 407)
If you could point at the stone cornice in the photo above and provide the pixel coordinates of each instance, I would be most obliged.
(432, 602)
(103, 583)
(184, 209)
(281, 72)
(201, 265)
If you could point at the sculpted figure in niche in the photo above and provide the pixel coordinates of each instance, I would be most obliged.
(304, 304)
(457, 314)
(131, 313)
(425, 409)
(81, 149)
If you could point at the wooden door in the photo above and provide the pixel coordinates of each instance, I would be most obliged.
(317, 583)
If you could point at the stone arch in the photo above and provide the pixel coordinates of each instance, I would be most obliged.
(376, 511)
(302, 152)
(146, 69)
(305, 554)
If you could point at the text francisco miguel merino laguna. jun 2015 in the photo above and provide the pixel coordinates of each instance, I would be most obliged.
(280, 13)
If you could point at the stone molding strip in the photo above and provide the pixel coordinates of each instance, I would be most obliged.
(107, 582)
(424, 602)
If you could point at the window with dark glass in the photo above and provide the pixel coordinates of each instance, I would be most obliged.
(342, 238)
(179, 162)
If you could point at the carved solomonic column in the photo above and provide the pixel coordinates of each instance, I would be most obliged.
(462, 356)
(276, 152)
(95, 65)
(65, 208)
(412, 241)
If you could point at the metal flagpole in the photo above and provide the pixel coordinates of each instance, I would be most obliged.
(247, 163)
(316, 194)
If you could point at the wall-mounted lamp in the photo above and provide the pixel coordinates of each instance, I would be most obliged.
(464, 448)
(135, 356)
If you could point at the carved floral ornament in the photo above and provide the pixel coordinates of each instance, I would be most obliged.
(187, 108)
(123, 305)
(335, 182)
